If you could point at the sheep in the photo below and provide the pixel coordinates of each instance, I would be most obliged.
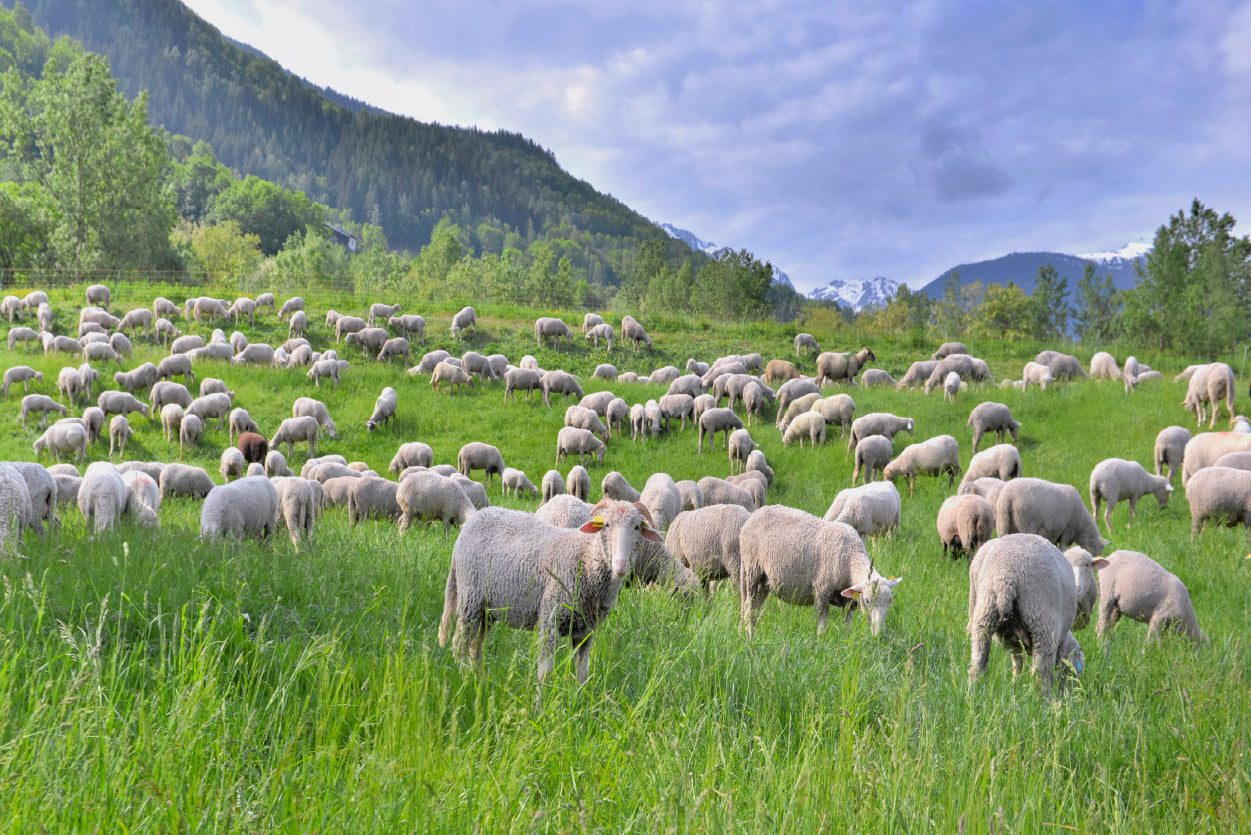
(836, 409)
(616, 414)
(632, 331)
(1134, 585)
(796, 408)
(1222, 494)
(755, 483)
(1203, 451)
(167, 332)
(692, 496)
(1021, 591)
(98, 294)
(807, 561)
(965, 523)
(871, 509)
(290, 306)
(171, 420)
(1053, 511)
(430, 497)
(294, 429)
(479, 456)
(119, 433)
(560, 382)
(378, 310)
(1063, 366)
(1210, 384)
(1241, 424)
(512, 567)
(1084, 567)
(42, 404)
(992, 417)
(555, 328)
(209, 406)
(370, 339)
(325, 368)
(232, 463)
(463, 321)
(615, 486)
(34, 299)
(102, 497)
(239, 422)
(243, 306)
(792, 390)
(26, 335)
(590, 320)
(184, 480)
(987, 487)
(947, 349)
(713, 490)
(809, 425)
(553, 485)
(346, 326)
(705, 402)
(100, 352)
(515, 482)
(240, 508)
(63, 438)
(276, 464)
(740, 445)
(585, 419)
(61, 344)
(806, 341)
(411, 454)
(206, 308)
(299, 501)
(373, 496)
(384, 409)
(679, 407)
(580, 442)
(16, 510)
(411, 325)
(871, 457)
(44, 314)
(604, 371)
(876, 377)
(1131, 374)
(917, 374)
(21, 374)
(1001, 461)
(98, 316)
(162, 306)
(935, 456)
(190, 428)
(713, 421)
(93, 418)
(837, 368)
(662, 499)
(578, 482)
(185, 344)
(176, 365)
(968, 367)
(524, 379)
(42, 497)
(258, 353)
(706, 541)
(951, 387)
(664, 375)
(879, 423)
(780, 370)
(165, 392)
(265, 301)
(1113, 479)
(253, 447)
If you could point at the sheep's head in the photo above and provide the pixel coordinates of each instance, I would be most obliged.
(624, 525)
(874, 596)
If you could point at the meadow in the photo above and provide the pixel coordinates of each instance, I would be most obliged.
(152, 682)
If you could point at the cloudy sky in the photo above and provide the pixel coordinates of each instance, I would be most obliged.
(837, 140)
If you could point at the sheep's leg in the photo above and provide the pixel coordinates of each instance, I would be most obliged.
(822, 605)
(1045, 664)
(581, 642)
(980, 655)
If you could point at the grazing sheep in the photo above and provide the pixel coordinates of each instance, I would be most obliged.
(295, 429)
(242, 306)
(162, 306)
(1001, 461)
(992, 417)
(947, 349)
(706, 540)
(780, 370)
(298, 503)
(578, 482)
(16, 509)
(232, 464)
(1113, 479)
(871, 509)
(871, 457)
(290, 306)
(348, 325)
(755, 483)
(715, 490)
(1103, 366)
(968, 367)
(42, 495)
(93, 418)
(938, 455)
(1222, 494)
(212, 385)
(61, 344)
(258, 353)
(102, 497)
(513, 567)
(1134, 585)
(632, 331)
(590, 320)
(21, 374)
(64, 438)
(325, 368)
(171, 420)
(42, 404)
(426, 496)
(605, 371)
(373, 497)
(516, 482)
(463, 321)
(210, 406)
(184, 480)
(871, 377)
(965, 523)
(1063, 366)
(276, 464)
(810, 425)
(740, 445)
(1021, 591)
(411, 325)
(600, 331)
(253, 447)
(26, 335)
(713, 421)
(378, 310)
(1210, 384)
(479, 456)
(792, 390)
(559, 382)
(664, 375)
(99, 295)
(986, 487)
(166, 392)
(100, 352)
(587, 419)
(615, 486)
(617, 413)
(662, 499)
(265, 301)
(951, 387)
(1053, 511)
(247, 507)
(239, 422)
(523, 379)
(692, 496)
(836, 409)
(1084, 568)
(1205, 449)
(119, 433)
(878, 423)
(680, 407)
(453, 376)
(1131, 374)
(555, 328)
(796, 408)
(840, 368)
(806, 341)
(186, 344)
(917, 374)
(1037, 374)
(190, 428)
(807, 561)
(384, 409)
(553, 485)
(206, 308)
(580, 442)
(176, 365)
(412, 454)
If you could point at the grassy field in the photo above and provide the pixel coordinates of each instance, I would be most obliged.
(150, 682)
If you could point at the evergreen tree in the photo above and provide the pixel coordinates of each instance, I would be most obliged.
(1096, 316)
(1048, 312)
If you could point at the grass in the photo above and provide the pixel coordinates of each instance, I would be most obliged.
(150, 682)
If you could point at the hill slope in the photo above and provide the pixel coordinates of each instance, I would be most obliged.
(1021, 268)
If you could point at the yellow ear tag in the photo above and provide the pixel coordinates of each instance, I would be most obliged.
(597, 521)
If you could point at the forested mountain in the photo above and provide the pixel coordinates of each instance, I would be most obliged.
(392, 171)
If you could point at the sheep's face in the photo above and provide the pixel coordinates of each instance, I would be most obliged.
(1163, 494)
(874, 596)
(621, 527)
(1072, 659)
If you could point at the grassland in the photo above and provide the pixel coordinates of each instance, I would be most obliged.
(150, 682)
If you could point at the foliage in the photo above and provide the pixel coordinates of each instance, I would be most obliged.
(733, 287)
(1096, 316)
(953, 312)
(222, 250)
(1004, 313)
(1048, 311)
(266, 210)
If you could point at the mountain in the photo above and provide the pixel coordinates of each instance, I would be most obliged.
(1021, 268)
(857, 294)
(712, 250)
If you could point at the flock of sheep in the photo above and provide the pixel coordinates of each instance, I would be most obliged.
(559, 570)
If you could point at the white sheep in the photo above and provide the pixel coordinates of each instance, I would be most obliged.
(965, 523)
(806, 561)
(42, 493)
(992, 417)
(553, 485)
(21, 374)
(1021, 591)
(16, 509)
(615, 486)
(871, 457)
(516, 482)
(795, 408)
(294, 429)
(384, 409)
(935, 456)
(1222, 494)
(559, 382)
(119, 433)
(662, 499)
(375, 497)
(587, 419)
(1210, 384)
(276, 464)
(706, 540)
(716, 420)
(463, 321)
(1084, 567)
(879, 423)
(634, 332)
(247, 507)
(872, 509)
(1053, 511)
(810, 425)
(806, 341)
(427, 496)
(452, 375)
(951, 387)
(578, 482)
(947, 349)
(102, 497)
(411, 454)
(480, 456)
(166, 392)
(232, 463)
(145, 497)
(190, 428)
(1136, 586)
(512, 567)
(185, 480)
(42, 404)
(1207, 448)
(171, 420)
(25, 335)
(617, 413)
(580, 442)
(1103, 366)
(842, 367)
(346, 326)
(1113, 479)
(63, 438)
(1036, 374)
(290, 306)
(411, 324)
(987, 487)
(298, 504)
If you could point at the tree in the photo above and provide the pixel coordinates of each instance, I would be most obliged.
(309, 255)
(266, 210)
(198, 181)
(1003, 313)
(648, 261)
(733, 285)
(1095, 317)
(907, 311)
(953, 312)
(223, 250)
(1048, 312)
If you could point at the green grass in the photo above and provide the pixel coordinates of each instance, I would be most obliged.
(149, 682)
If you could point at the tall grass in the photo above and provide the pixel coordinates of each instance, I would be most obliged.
(149, 681)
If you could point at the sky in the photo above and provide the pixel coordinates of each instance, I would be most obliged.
(837, 140)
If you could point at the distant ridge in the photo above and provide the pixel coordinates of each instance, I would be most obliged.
(1021, 268)
(712, 250)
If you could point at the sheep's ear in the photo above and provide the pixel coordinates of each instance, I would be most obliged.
(1168, 488)
(651, 534)
(1099, 563)
(893, 581)
(593, 526)
(854, 592)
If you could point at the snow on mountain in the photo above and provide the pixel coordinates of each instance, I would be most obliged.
(712, 250)
(1129, 252)
(857, 294)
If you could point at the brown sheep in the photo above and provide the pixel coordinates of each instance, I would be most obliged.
(254, 447)
(780, 370)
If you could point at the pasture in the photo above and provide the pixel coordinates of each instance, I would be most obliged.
(151, 682)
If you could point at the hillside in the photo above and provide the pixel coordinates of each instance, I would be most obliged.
(399, 173)
(1021, 268)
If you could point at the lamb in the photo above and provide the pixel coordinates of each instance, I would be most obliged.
(1037, 374)
(240, 508)
(1222, 494)
(516, 482)
(1063, 366)
(1210, 384)
(119, 433)
(938, 455)
(986, 487)
(715, 490)
(585, 419)
(1001, 461)
(1084, 568)
(373, 497)
(98, 294)
(876, 377)
(26, 335)
(479, 456)
(809, 425)
(512, 567)
(253, 447)
(578, 482)
(879, 423)
(713, 421)
(838, 368)
(947, 349)
(295, 429)
(1053, 511)
(796, 408)
(184, 480)
(102, 497)
(872, 509)
(632, 331)
(346, 326)
(430, 497)
(1134, 585)
(965, 523)
(553, 486)
(290, 306)
(463, 321)
(807, 561)
(615, 486)
(780, 370)
(63, 438)
(1103, 366)
(190, 428)
(707, 542)
(992, 417)
(43, 404)
(1114, 479)
(559, 382)
(1205, 449)
(1021, 591)
(209, 406)
(21, 374)
(411, 454)
(384, 409)
(555, 328)
(572, 440)
(951, 387)
(872, 455)
(806, 341)
(411, 325)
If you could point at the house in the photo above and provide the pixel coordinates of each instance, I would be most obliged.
(342, 237)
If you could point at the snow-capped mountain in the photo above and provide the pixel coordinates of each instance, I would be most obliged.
(1124, 256)
(857, 294)
(712, 250)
